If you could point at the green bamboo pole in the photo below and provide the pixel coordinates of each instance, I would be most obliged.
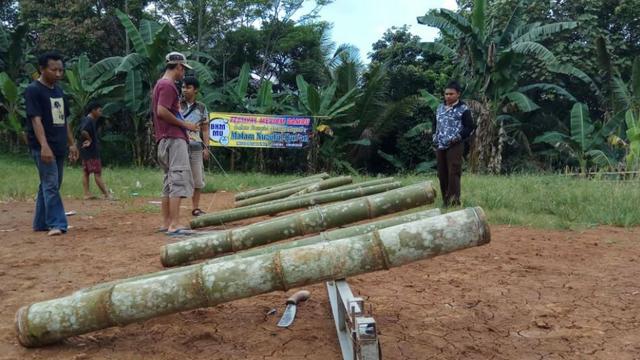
(312, 189)
(281, 186)
(226, 216)
(320, 185)
(297, 224)
(206, 285)
(323, 236)
(328, 191)
(256, 200)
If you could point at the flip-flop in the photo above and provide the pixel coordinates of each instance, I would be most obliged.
(197, 212)
(180, 232)
(164, 230)
(54, 232)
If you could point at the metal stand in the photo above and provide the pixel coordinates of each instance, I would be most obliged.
(357, 333)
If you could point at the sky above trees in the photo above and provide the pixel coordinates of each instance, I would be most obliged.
(362, 22)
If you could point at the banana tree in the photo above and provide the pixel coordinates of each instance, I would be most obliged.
(621, 102)
(141, 69)
(11, 108)
(325, 109)
(489, 60)
(633, 137)
(584, 142)
(15, 52)
(425, 126)
(233, 95)
(85, 83)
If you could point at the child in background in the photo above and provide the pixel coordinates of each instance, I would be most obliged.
(90, 151)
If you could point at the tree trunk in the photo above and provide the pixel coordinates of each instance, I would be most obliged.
(489, 138)
(312, 153)
(149, 146)
(232, 160)
(260, 159)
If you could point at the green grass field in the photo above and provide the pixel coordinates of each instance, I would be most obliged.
(545, 201)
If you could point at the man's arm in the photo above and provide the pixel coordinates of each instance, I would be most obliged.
(86, 138)
(46, 155)
(85, 135)
(467, 125)
(73, 149)
(167, 116)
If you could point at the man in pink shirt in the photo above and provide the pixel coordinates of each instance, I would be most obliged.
(171, 137)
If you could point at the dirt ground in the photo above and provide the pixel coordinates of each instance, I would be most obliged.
(529, 294)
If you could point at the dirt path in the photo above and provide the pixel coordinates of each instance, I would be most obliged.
(530, 294)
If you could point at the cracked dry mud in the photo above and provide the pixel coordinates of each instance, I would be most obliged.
(530, 294)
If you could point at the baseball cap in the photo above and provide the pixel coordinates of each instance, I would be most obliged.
(175, 57)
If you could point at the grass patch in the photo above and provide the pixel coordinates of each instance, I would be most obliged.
(544, 201)
(552, 201)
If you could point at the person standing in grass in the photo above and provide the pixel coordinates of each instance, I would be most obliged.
(49, 138)
(172, 140)
(196, 113)
(90, 150)
(452, 128)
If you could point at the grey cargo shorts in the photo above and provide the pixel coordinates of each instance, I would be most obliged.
(173, 157)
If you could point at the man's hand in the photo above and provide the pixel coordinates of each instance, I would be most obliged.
(455, 140)
(86, 144)
(73, 153)
(190, 126)
(46, 155)
(205, 154)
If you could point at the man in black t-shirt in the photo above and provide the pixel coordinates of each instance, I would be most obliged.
(49, 137)
(90, 150)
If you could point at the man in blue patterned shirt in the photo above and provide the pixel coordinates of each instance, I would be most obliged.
(452, 128)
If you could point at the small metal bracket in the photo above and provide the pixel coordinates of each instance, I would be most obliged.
(357, 333)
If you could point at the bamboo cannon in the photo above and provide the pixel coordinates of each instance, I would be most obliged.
(207, 285)
(310, 189)
(297, 224)
(332, 190)
(226, 216)
(321, 185)
(323, 236)
(282, 186)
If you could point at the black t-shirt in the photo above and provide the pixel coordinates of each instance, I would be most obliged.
(52, 108)
(93, 151)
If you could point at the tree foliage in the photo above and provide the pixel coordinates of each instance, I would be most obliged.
(531, 70)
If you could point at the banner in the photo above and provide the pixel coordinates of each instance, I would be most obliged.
(258, 131)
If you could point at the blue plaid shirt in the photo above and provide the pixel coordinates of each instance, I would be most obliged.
(452, 125)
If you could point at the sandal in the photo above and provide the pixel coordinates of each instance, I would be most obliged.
(54, 232)
(180, 232)
(197, 212)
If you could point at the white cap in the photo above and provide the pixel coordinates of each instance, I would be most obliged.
(175, 57)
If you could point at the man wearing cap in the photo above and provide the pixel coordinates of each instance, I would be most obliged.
(172, 140)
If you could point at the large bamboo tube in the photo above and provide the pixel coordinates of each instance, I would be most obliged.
(312, 188)
(332, 190)
(321, 185)
(306, 222)
(226, 216)
(281, 186)
(211, 284)
(323, 236)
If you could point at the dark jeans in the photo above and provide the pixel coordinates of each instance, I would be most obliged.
(449, 173)
(49, 212)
